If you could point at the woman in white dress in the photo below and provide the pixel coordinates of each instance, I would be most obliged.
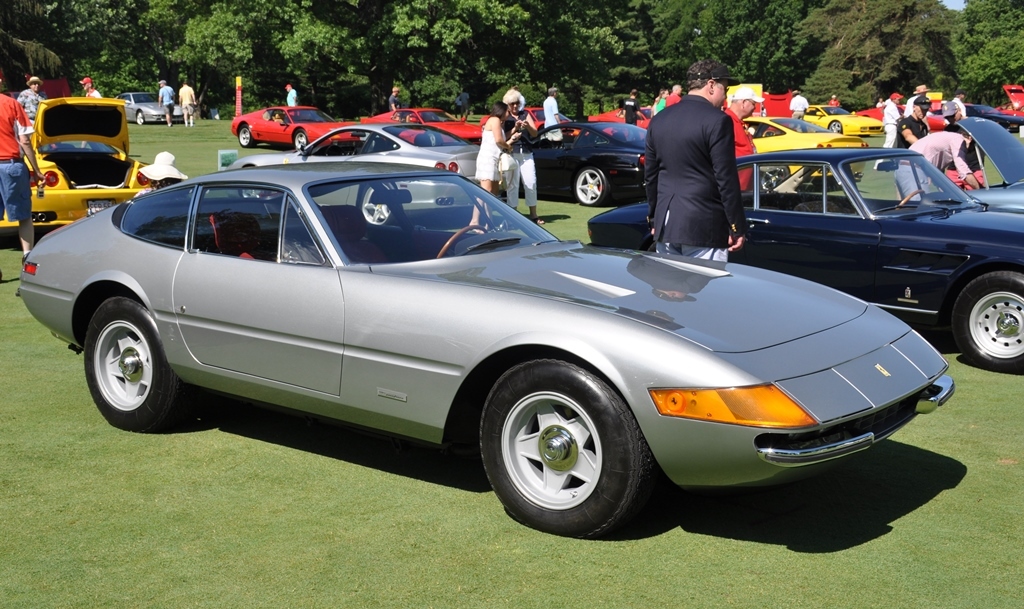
(492, 144)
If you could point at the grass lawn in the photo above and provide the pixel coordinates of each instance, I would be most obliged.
(248, 508)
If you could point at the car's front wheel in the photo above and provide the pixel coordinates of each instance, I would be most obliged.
(562, 450)
(988, 322)
(140, 118)
(591, 186)
(300, 139)
(835, 127)
(245, 136)
(127, 372)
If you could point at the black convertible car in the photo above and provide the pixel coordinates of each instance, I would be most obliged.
(887, 227)
(594, 163)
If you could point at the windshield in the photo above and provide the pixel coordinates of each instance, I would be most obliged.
(625, 133)
(78, 147)
(980, 109)
(408, 219)
(424, 137)
(897, 185)
(800, 126)
(833, 110)
(436, 116)
(309, 116)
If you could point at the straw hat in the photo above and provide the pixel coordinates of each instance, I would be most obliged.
(35, 80)
(163, 168)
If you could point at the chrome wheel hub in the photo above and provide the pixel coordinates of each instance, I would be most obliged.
(558, 448)
(130, 365)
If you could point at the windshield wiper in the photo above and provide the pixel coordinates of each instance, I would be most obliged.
(492, 243)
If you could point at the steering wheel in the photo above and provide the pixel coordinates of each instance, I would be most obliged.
(908, 197)
(462, 231)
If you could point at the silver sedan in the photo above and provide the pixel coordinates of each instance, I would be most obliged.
(380, 143)
(576, 372)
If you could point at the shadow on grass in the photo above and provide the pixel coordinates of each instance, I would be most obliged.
(341, 443)
(852, 504)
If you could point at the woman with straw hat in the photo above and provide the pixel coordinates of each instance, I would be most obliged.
(162, 172)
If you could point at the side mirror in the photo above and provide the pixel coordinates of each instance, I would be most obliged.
(886, 165)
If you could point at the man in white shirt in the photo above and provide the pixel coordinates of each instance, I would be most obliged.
(891, 116)
(919, 91)
(958, 99)
(551, 108)
(798, 105)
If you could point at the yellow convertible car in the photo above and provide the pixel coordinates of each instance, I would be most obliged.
(81, 145)
(775, 134)
(842, 121)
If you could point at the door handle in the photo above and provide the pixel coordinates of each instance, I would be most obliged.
(752, 221)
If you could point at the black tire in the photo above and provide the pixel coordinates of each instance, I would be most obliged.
(299, 138)
(127, 371)
(988, 322)
(590, 187)
(836, 127)
(245, 137)
(140, 118)
(592, 447)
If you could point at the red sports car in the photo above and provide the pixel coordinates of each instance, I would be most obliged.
(1015, 106)
(433, 117)
(935, 123)
(283, 126)
(614, 116)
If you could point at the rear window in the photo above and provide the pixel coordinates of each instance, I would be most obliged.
(160, 217)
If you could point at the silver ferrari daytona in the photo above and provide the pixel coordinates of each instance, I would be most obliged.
(399, 143)
(411, 302)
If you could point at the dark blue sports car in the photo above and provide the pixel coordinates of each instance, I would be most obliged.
(883, 225)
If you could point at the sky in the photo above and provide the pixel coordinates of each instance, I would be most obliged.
(954, 4)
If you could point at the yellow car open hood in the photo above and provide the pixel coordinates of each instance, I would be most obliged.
(79, 118)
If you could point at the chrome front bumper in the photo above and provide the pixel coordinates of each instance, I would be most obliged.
(933, 396)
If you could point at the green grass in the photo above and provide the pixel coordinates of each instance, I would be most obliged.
(248, 508)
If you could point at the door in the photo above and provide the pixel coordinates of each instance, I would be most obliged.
(804, 224)
(255, 295)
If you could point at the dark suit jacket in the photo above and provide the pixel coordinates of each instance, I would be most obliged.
(691, 172)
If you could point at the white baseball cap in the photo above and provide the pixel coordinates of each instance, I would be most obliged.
(746, 93)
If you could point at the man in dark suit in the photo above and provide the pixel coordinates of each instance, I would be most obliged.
(693, 189)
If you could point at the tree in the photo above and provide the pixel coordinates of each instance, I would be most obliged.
(874, 47)
(986, 43)
(17, 50)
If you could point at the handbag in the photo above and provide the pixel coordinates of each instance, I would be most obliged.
(505, 162)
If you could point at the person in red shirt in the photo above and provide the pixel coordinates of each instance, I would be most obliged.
(744, 102)
(15, 191)
(675, 96)
(834, 102)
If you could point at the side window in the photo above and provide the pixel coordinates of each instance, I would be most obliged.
(376, 142)
(297, 244)
(160, 217)
(811, 188)
(239, 222)
(588, 139)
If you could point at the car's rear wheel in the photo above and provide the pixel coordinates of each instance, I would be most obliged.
(245, 136)
(988, 322)
(299, 138)
(562, 450)
(127, 372)
(835, 127)
(140, 118)
(591, 186)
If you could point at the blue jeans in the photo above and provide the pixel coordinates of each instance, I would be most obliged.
(15, 191)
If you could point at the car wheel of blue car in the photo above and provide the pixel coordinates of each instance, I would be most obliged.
(562, 450)
(127, 372)
(988, 322)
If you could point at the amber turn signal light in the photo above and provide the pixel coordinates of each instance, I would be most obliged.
(758, 406)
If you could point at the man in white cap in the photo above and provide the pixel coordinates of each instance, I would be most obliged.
(744, 102)
(162, 172)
